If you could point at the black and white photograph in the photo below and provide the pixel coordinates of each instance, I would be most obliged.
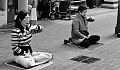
(59, 35)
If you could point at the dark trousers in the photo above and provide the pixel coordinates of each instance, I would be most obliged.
(91, 40)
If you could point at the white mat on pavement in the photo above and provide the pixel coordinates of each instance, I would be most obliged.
(38, 67)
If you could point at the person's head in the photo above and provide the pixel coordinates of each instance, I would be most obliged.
(22, 20)
(82, 10)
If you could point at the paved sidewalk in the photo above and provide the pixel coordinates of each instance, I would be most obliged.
(51, 40)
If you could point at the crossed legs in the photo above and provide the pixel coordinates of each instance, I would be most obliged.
(91, 40)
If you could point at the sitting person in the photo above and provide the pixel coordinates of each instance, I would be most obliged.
(79, 32)
(21, 38)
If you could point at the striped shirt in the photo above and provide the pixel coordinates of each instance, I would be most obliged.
(23, 39)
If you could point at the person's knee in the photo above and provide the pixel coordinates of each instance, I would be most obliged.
(42, 56)
(25, 62)
(97, 37)
(94, 37)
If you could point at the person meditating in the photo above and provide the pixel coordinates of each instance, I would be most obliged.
(21, 38)
(79, 31)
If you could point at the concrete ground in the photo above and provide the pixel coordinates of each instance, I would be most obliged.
(51, 40)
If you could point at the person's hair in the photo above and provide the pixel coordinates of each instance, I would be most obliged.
(21, 15)
(81, 8)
